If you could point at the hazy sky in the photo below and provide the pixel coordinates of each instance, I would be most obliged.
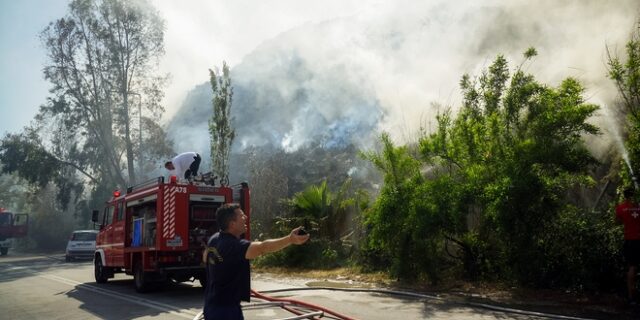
(200, 34)
(22, 88)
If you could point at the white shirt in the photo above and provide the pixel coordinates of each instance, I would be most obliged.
(181, 163)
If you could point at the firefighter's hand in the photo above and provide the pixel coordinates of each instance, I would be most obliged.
(298, 236)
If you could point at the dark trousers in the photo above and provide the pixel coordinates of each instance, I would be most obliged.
(193, 168)
(631, 252)
(212, 312)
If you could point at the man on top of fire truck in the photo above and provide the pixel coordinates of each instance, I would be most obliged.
(184, 165)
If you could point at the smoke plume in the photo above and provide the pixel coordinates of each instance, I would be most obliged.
(388, 67)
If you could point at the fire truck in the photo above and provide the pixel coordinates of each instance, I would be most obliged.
(157, 230)
(12, 225)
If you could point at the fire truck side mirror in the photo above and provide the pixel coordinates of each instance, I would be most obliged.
(94, 216)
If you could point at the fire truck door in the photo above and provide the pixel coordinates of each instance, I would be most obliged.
(118, 235)
(108, 234)
(20, 225)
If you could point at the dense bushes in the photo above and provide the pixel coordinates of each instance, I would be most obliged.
(317, 254)
(487, 196)
(487, 190)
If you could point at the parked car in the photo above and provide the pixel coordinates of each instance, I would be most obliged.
(81, 245)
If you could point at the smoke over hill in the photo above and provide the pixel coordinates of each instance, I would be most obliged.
(388, 68)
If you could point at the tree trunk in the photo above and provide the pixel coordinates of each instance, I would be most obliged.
(127, 137)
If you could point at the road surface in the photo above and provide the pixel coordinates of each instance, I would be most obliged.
(46, 287)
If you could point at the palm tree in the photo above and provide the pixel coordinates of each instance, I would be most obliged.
(329, 211)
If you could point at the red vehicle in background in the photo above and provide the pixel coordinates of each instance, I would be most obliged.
(12, 225)
(157, 230)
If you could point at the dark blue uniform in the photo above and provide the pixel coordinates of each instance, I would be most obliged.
(228, 277)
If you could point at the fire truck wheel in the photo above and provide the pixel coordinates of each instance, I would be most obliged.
(140, 279)
(100, 272)
(3, 251)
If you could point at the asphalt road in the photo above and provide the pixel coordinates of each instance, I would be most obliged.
(46, 287)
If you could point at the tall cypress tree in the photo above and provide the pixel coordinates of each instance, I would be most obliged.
(220, 123)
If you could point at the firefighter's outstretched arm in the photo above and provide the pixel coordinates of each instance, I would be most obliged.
(259, 248)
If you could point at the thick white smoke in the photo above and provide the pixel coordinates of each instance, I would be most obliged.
(387, 66)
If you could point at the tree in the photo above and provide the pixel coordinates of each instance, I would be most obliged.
(103, 53)
(517, 156)
(626, 75)
(329, 211)
(12, 191)
(487, 189)
(327, 215)
(388, 221)
(220, 123)
(269, 185)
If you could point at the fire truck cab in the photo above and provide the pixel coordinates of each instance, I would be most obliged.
(12, 225)
(157, 230)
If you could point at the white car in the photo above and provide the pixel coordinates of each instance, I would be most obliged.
(82, 244)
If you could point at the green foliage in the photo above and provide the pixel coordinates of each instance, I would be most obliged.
(49, 226)
(626, 75)
(313, 202)
(220, 123)
(328, 216)
(102, 64)
(326, 213)
(25, 156)
(315, 254)
(19, 153)
(582, 251)
(12, 191)
(530, 53)
(487, 188)
(276, 175)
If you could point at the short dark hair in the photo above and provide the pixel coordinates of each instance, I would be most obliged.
(225, 214)
(628, 193)
(166, 164)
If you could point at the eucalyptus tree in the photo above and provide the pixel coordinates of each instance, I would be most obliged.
(102, 64)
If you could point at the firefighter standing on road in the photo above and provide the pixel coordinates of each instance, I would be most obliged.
(228, 270)
(184, 165)
(628, 214)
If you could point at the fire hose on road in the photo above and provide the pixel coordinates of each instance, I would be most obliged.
(301, 309)
(299, 303)
(305, 310)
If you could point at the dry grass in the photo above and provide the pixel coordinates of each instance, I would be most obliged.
(355, 274)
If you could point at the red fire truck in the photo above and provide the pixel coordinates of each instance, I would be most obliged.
(12, 225)
(157, 230)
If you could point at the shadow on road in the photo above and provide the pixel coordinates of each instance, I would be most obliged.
(17, 266)
(98, 299)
